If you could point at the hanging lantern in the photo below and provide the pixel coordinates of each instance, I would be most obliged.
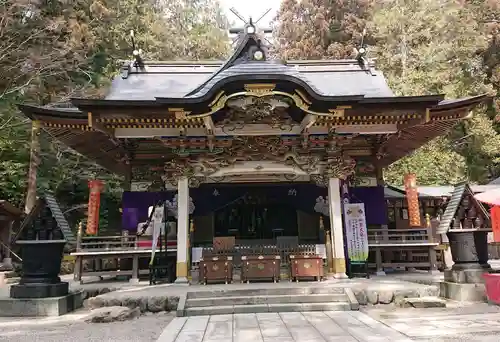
(412, 199)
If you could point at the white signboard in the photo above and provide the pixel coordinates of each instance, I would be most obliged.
(356, 234)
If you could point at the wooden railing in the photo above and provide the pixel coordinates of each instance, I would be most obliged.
(412, 236)
(115, 243)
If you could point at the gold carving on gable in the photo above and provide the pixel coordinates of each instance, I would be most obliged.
(263, 90)
(325, 164)
(257, 110)
(259, 88)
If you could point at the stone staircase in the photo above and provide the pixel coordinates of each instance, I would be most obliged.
(267, 300)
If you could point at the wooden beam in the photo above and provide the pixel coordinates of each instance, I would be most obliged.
(210, 128)
(308, 121)
(209, 125)
(92, 122)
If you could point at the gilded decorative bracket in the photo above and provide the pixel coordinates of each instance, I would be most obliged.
(264, 90)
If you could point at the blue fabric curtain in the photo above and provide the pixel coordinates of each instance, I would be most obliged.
(211, 197)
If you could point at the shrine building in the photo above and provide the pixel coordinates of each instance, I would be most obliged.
(252, 146)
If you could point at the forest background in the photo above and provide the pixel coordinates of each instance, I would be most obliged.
(52, 50)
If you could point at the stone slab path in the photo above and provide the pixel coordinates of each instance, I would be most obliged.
(281, 327)
(457, 322)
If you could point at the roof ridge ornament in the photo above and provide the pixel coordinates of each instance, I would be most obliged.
(138, 62)
(249, 27)
(361, 52)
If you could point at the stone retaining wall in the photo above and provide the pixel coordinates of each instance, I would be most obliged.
(365, 295)
(380, 296)
(145, 304)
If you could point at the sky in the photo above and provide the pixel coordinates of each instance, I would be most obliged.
(251, 8)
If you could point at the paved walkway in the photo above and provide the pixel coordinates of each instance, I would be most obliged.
(458, 322)
(281, 327)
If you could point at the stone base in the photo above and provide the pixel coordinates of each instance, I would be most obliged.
(181, 281)
(423, 303)
(465, 276)
(6, 264)
(34, 307)
(463, 292)
(27, 291)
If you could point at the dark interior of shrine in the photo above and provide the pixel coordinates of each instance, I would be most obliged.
(256, 215)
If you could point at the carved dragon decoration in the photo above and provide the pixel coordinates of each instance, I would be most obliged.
(243, 149)
(257, 110)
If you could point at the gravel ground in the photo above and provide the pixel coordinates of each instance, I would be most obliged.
(72, 328)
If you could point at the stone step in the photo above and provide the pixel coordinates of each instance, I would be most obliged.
(274, 291)
(274, 299)
(259, 308)
(423, 302)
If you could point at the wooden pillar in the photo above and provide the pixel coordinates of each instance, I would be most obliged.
(33, 168)
(182, 230)
(127, 182)
(336, 227)
(77, 273)
(387, 254)
(328, 247)
(379, 262)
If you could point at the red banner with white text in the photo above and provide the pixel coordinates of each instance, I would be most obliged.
(495, 222)
(412, 198)
(95, 187)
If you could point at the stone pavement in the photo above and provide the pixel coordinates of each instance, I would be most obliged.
(457, 322)
(281, 327)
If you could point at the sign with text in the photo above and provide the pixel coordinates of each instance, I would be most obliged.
(356, 233)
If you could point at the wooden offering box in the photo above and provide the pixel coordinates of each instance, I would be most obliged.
(216, 269)
(260, 267)
(306, 266)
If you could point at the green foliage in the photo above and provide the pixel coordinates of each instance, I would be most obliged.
(51, 51)
(437, 165)
(318, 29)
(423, 47)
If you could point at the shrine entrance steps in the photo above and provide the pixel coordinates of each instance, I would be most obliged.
(292, 299)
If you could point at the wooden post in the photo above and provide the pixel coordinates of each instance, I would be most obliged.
(190, 249)
(77, 272)
(379, 262)
(127, 182)
(328, 247)
(79, 237)
(135, 269)
(33, 168)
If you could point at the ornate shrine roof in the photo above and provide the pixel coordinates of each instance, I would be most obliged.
(156, 110)
(179, 80)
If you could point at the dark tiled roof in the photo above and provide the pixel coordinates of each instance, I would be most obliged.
(171, 80)
(452, 207)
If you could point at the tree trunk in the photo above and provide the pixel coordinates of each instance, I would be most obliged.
(34, 162)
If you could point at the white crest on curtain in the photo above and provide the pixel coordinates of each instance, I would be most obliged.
(321, 206)
(172, 206)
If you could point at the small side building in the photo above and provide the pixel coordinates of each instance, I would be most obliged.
(9, 220)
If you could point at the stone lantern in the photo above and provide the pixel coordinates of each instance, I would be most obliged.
(42, 245)
(466, 224)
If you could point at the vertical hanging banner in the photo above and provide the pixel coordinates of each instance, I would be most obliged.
(95, 187)
(412, 199)
(356, 234)
(495, 222)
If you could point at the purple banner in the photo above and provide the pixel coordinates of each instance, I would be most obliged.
(211, 197)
